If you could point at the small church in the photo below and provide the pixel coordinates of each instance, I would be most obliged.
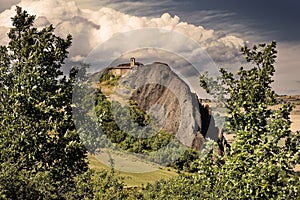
(122, 69)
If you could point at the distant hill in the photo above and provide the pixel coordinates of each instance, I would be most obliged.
(294, 99)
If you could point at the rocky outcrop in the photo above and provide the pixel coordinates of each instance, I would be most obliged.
(166, 97)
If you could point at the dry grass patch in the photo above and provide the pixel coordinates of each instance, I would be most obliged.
(135, 179)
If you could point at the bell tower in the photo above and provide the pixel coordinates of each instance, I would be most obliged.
(132, 62)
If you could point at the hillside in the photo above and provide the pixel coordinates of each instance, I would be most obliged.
(164, 96)
(161, 93)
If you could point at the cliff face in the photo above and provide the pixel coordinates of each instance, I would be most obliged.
(166, 97)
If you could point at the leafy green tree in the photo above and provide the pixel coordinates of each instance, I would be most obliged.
(186, 161)
(261, 160)
(40, 152)
(138, 116)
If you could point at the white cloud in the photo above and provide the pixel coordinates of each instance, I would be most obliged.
(92, 27)
(78, 58)
(41, 21)
(5, 4)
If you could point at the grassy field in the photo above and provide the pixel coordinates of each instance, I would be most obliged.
(135, 179)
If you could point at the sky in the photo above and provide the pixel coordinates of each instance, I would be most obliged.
(219, 27)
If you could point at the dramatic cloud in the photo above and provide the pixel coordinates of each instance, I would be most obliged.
(90, 28)
(92, 23)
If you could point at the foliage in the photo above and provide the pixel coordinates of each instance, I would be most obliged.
(99, 185)
(109, 78)
(40, 152)
(138, 116)
(186, 162)
(129, 131)
(256, 166)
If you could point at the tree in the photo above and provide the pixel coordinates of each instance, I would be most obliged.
(261, 160)
(40, 152)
